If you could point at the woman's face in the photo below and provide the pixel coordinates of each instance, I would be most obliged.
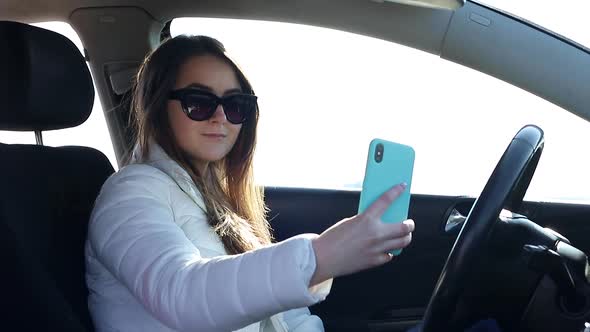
(212, 139)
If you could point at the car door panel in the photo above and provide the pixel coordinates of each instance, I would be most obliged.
(394, 296)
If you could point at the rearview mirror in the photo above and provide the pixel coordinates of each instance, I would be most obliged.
(438, 4)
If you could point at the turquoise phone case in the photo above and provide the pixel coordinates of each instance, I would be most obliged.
(396, 166)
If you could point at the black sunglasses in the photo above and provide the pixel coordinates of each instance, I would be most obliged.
(200, 105)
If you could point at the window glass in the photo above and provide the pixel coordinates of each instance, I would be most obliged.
(322, 102)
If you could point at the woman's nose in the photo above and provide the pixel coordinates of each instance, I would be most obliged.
(219, 115)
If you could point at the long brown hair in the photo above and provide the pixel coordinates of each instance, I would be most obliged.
(235, 206)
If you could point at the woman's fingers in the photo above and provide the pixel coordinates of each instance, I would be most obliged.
(383, 258)
(376, 210)
(395, 236)
(393, 244)
(394, 230)
(361, 242)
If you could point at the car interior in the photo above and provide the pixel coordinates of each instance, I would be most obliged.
(523, 263)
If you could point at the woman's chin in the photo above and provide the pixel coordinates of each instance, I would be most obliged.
(211, 157)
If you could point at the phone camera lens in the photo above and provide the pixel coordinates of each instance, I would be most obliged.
(379, 153)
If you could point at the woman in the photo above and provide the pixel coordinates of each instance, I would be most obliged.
(178, 239)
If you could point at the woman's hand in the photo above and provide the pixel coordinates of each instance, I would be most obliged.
(361, 242)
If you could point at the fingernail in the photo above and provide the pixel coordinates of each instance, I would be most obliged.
(404, 185)
(411, 224)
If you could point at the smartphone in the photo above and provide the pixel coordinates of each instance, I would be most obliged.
(388, 164)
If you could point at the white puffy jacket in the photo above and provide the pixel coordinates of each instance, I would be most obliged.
(154, 263)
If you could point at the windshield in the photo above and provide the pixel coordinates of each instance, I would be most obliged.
(565, 17)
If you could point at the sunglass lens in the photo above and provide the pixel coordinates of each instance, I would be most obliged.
(199, 108)
(235, 112)
(238, 109)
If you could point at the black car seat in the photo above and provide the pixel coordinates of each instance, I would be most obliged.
(47, 193)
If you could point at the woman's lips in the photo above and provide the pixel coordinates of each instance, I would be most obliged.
(214, 135)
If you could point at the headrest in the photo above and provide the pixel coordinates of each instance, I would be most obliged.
(44, 82)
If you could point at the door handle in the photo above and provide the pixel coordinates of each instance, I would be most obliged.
(455, 219)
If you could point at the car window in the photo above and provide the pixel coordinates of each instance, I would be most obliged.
(321, 103)
(92, 133)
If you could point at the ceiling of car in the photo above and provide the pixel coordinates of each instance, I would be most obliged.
(349, 15)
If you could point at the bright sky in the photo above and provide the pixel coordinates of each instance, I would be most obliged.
(321, 104)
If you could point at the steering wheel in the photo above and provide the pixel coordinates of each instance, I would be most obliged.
(505, 188)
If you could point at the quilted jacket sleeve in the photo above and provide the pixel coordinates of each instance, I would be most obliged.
(132, 232)
(300, 319)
